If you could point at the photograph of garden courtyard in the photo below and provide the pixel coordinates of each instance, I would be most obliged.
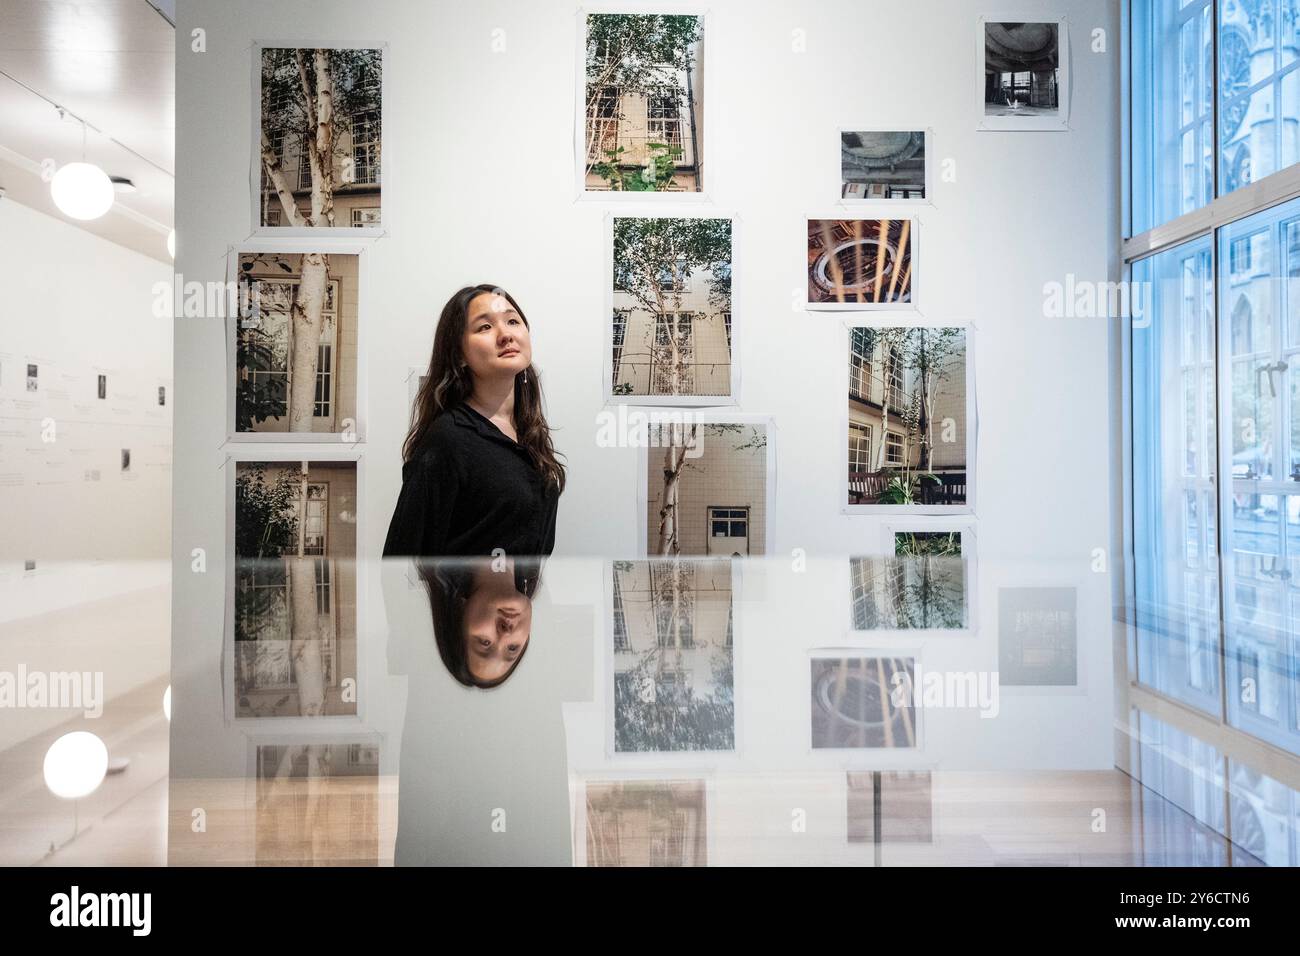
(907, 440)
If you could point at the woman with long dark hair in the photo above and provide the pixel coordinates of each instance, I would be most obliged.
(479, 470)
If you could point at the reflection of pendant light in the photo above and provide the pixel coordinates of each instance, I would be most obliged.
(82, 190)
(171, 243)
(75, 764)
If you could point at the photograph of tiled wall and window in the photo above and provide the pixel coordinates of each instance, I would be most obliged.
(1213, 252)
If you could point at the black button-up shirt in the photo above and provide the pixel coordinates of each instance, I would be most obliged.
(470, 489)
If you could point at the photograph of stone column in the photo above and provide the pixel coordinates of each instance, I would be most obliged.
(882, 164)
(646, 823)
(671, 309)
(295, 589)
(706, 489)
(643, 95)
(317, 804)
(908, 409)
(296, 343)
(673, 675)
(922, 586)
(318, 140)
(860, 263)
(863, 702)
(1025, 74)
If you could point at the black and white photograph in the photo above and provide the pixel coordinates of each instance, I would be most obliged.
(33, 377)
(1038, 637)
(1025, 72)
(102, 386)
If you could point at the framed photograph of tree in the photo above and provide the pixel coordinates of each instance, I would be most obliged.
(639, 129)
(1023, 81)
(862, 264)
(671, 657)
(706, 483)
(318, 162)
(294, 341)
(922, 586)
(292, 587)
(670, 338)
(892, 166)
(910, 420)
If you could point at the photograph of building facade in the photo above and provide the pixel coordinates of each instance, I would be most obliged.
(646, 823)
(295, 589)
(706, 489)
(878, 164)
(860, 262)
(1259, 107)
(907, 441)
(861, 702)
(644, 103)
(671, 307)
(922, 586)
(317, 804)
(673, 657)
(319, 152)
(1021, 69)
(287, 302)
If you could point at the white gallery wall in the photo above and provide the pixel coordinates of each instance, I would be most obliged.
(78, 528)
(478, 140)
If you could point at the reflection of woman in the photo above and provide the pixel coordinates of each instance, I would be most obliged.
(482, 616)
(479, 470)
(483, 776)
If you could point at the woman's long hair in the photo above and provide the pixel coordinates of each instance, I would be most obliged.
(448, 383)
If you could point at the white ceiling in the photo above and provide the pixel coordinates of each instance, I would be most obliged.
(112, 63)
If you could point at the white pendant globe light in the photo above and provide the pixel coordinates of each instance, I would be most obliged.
(82, 191)
(75, 765)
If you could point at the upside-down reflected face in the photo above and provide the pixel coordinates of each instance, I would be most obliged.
(498, 620)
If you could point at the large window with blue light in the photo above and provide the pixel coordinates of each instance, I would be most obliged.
(1215, 358)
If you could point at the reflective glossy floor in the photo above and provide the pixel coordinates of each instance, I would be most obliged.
(662, 713)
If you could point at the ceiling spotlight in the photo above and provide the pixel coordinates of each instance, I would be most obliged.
(82, 191)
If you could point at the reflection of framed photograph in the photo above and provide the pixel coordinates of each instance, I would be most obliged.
(671, 657)
(670, 338)
(292, 587)
(1024, 73)
(901, 800)
(101, 386)
(861, 264)
(162, 394)
(642, 822)
(639, 130)
(884, 165)
(863, 702)
(33, 377)
(126, 460)
(285, 388)
(1038, 637)
(705, 483)
(309, 177)
(923, 586)
(910, 420)
(339, 776)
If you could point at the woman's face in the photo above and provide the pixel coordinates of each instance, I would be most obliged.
(496, 342)
(498, 620)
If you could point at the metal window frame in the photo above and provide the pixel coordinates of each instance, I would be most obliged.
(1232, 743)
